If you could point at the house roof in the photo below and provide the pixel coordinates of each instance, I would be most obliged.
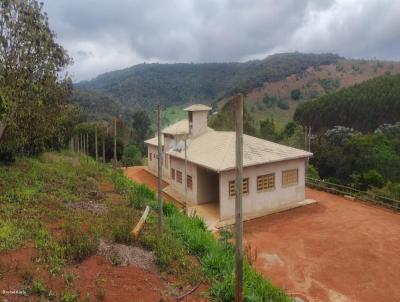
(181, 127)
(197, 107)
(154, 141)
(215, 150)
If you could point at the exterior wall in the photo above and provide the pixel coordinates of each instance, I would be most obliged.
(179, 165)
(199, 123)
(260, 203)
(153, 163)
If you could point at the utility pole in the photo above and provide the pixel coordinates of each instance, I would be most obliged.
(238, 199)
(115, 143)
(160, 201)
(95, 143)
(186, 198)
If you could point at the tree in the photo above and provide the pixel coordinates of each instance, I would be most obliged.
(141, 129)
(225, 120)
(268, 129)
(33, 93)
(131, 156)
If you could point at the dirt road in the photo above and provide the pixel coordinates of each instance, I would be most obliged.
(334, 250)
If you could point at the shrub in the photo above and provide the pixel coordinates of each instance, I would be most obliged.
(312, 172)
(131, 156)
(373, 178)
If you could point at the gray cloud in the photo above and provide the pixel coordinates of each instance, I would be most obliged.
(107, 35)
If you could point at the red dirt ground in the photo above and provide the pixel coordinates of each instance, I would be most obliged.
(334, 250)
(140, 175)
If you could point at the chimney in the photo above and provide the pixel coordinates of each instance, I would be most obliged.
(197, 117)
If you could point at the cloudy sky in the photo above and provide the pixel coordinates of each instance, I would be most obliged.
(104, 35)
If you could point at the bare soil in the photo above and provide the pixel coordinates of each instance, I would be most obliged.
(333, 250)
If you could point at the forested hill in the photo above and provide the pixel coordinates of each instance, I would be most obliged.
(363, 107)
(174, 84)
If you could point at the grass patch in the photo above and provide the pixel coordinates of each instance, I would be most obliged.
(11, 236)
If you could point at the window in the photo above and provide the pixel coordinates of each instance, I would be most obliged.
(172, 173)
(232, 188)
(266, 182)
(245, 188)
(151, 156)
(179, 176)
(166, 161)
(189, 182)
(290, 177)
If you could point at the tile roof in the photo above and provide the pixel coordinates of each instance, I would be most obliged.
(181, 127)
(215, 150)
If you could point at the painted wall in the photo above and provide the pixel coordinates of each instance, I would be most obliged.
(179, 188)
(260, 203)
(153, 163)
(199, 123)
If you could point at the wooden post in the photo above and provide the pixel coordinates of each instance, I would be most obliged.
(77, 142)
(115, 143)
(82, 146)
(160, 201)
(95, 143)
(186, 198)
(87, 143)
(238, 199)
(104, 148)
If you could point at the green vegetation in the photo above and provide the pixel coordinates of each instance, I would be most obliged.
(32, 92)
(178, 84)
(131, 156)
(363, 107)
(225, 120)
(173, 114)
(96, 106)
(363, 161)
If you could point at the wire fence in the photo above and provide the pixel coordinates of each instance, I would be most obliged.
(357, 194)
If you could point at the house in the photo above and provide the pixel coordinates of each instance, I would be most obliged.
(273, 174)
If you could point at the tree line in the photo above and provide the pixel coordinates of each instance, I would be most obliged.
(364, 106)
(177, 84)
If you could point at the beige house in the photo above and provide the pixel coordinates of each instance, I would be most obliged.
(274, 174)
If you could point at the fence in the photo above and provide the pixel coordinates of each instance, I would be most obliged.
(357, 194)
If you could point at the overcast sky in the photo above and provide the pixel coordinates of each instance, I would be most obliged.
(104, 35)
